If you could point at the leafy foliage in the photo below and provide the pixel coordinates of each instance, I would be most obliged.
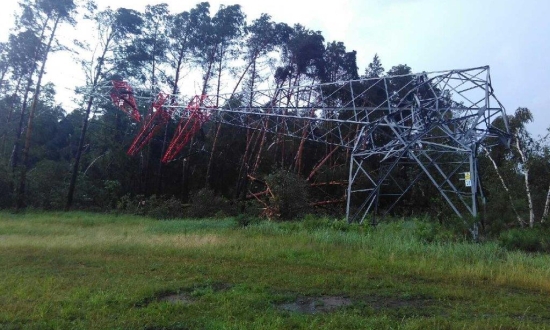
(441, 232)
(528, 240)
(156, 207)
(205, 204)
(290, 197)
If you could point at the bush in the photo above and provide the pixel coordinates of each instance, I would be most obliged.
(429, 231)
(156, 207)
(46, 186)
(6, 189)
(164, 209)
(312, 222)
(131, 205)
(245, 220)
(290, 194)
(206, 204)
(528, 240)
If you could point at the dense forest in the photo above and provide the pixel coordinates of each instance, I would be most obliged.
(57, 158)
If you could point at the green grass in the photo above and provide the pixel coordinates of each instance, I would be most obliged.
(96, 271)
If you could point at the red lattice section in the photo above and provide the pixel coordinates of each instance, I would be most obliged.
(123, 97)
(194, 116)
(187, 127)
(157, 118)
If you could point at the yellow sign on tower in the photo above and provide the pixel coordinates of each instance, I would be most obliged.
(467, 179)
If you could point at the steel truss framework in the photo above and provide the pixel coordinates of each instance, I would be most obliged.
(400, 129)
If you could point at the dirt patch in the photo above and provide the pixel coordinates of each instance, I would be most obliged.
(171, 297)
(185, 296)
(315, 305)
(177, 298)
(326, 304)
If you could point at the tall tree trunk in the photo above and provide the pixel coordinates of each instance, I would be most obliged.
(252, 139)
(186, 176)
(211, 159)
(252, 62)
(181, 54)
(299, 154)
(527, 187)
(19, 132)
(252, 84)
(306, 124)
(8, 120)
(159, 172)
(218, 124)
(244, 168)
(260, 150)
(14, 95)
(220, 69)
(78, 155)
(207, 75)
(321, 163)
(546, 207)
(172, 102)
(14, 159)
(2, 76)
(20, 201)
(503, 183)
(263, 138)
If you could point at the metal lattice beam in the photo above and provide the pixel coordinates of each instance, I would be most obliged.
(400, 129)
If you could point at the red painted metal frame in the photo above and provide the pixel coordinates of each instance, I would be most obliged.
(157, 118)
(187, 128)
(122, 96)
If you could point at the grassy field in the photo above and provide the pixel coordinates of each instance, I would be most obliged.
(97, 271)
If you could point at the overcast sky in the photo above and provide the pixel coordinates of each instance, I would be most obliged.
(511, 36)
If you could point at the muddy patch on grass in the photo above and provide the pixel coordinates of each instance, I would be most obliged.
(185, 296)
(174, 297)
(315, 305)
(327, 304)
(182, 298)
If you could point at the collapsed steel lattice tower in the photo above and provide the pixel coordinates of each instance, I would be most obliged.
(399, 129)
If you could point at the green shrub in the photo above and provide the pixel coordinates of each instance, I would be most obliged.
(529, 240)
(46, 185)
(312, 222)
(343, 225)
(6, 189)
(206, 204)
(131, 204)
(434, 232)
(164, 209)
(112, 189)
(161, 208)
(290, 194)
(245, 220)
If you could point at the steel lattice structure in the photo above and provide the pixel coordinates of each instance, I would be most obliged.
(399, 128)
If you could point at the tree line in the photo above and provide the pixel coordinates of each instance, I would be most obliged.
(52, 158)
